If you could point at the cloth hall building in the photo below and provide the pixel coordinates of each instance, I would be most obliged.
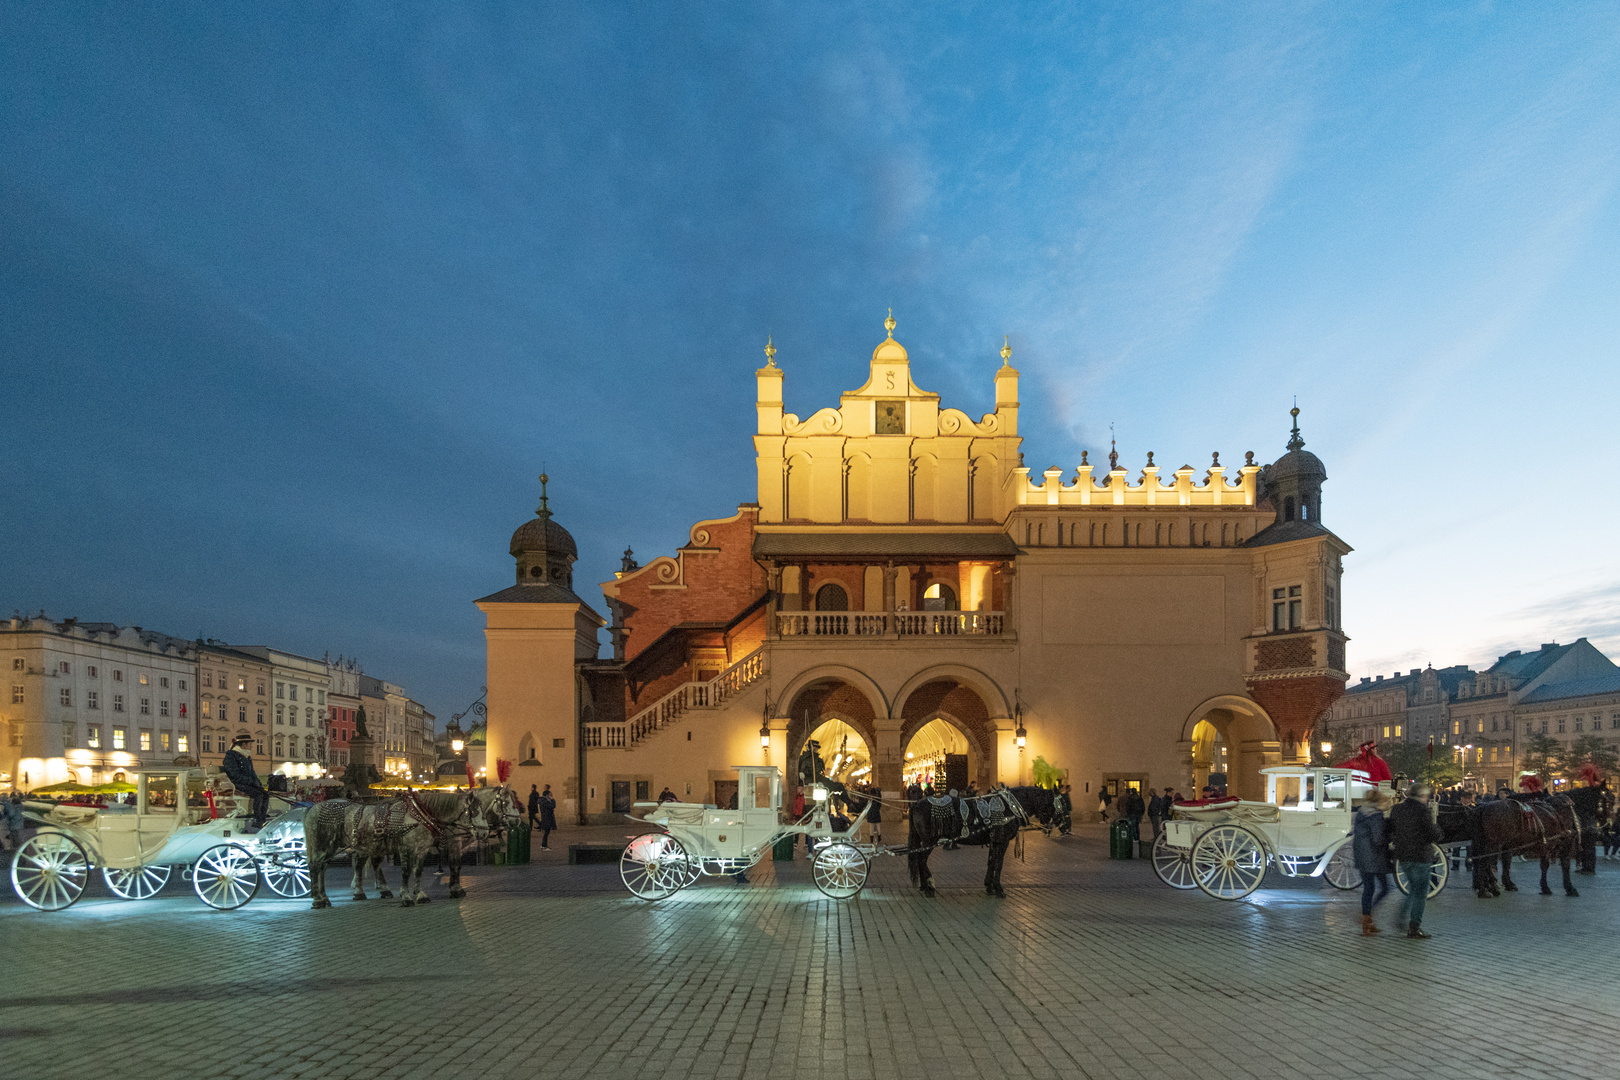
(904, 592)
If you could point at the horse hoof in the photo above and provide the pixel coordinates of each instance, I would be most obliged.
(407, 902)
(425, 900)
(1572, 892)
(457, 894)
(1545, 891)
(385, 895)
(321, 904)
(1001, 894)
(1511, 888)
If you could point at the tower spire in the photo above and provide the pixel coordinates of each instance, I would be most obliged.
(1295, 441)
(544, 509)
(1113, 450)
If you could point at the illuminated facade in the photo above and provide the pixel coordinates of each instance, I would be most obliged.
(904, 591)
(85, 701)
(233, 698)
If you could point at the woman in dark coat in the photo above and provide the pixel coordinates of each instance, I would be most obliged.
(1370, 841)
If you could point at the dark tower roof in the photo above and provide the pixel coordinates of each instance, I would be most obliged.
(543, 534)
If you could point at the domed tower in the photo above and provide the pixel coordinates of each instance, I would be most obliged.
(1293, 483)
(544, 550)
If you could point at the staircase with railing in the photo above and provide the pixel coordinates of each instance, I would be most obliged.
(709, 694)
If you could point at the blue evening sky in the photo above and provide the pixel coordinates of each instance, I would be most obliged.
(295, 299)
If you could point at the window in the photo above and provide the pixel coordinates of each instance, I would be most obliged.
(70, 732)
(182, 684)
(281, 714)
(163, 740)
(241, 714)
(1544, 727)
(1456, 727)
(258, 745)
(145, 680)
(118, 703)
(91, 671)
(205, 708)
(163, 708)
(1330, 599)
(309, 693)
(146, 706)
(92, 737)
(1287, 608)
(261, 689)
(281, 690)
(1386, 731)
(309, 717)
(65, 695)
(1480, 728)
(18, 664)
(207, 743)
(241, 683)
(281, 744)
(208, 678)
(92, 699)
(1493, 723)
(1577, 723)
(118, 738)
(182, 743)
(559, 744)
(1398, 730)
(146, 738)
(261, 715)
(163, 681)
(65, 668)
(118, 676)
(321, 697)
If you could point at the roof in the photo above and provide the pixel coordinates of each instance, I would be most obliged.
(996, 545)
(548, 593)
(1602, 684)
(1528, 665)
(1283, 532)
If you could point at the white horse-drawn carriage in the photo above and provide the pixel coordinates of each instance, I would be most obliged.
(176, 820)
(1303, 829)
(699, 839)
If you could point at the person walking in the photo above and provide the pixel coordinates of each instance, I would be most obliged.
(548, 817)
(875, 817)
(1103, 800)
(15, 822)
(1413, 834)
(1370, 846)
(1133, 807)
(1158, 810)
(534, 806)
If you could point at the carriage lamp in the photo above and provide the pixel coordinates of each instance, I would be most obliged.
(764, 736)
(820, 794)
(1020, 736)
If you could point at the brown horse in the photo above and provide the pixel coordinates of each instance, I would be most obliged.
(1547, 826)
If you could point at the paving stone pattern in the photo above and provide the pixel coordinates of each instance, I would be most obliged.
(1089, 968)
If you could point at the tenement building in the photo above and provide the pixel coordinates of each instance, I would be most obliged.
(904, 592)
(1480, 718)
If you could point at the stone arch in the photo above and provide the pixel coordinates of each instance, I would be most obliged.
(981, 742)
(870, 690)
(960, 704)
(1247, 732)
(990, 693)
(817, 701)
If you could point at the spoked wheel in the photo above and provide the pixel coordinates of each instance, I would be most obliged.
(225, 877)
(1439, 872)
(655, 866)
(1341, 872)
(137, 883)
(1228, 862)
(50, 871)
(839, 870)
(287, 875)
(1173, 864)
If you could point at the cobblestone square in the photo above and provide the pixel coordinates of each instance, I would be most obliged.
(1089, 968)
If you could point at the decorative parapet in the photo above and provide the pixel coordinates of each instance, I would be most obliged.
(1113, 487)
(1288, 656)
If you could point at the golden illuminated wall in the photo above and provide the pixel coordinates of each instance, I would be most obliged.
(889, 454)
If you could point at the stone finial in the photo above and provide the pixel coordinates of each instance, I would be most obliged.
(1215, 460)
(1150, 459)
(770, 352)
(1113, 450)
(544, 509)
(1248, 457)
(1006, 350)
(1083, 454)
(889, 324)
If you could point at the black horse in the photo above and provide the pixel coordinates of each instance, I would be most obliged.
(991, 822)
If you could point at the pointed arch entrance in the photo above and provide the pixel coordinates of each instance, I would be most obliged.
(839, 715)
(942, 721)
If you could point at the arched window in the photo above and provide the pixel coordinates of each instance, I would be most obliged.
(832, 598)
(939, 597)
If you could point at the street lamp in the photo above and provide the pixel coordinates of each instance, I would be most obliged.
(1327, 748)
(1020, 736)
(457, 745)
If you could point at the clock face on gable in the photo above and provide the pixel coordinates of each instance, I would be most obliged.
(891, 418)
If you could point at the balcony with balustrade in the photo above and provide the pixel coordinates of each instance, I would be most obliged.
(840, 626)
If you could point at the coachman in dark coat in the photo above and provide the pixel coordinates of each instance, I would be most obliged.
(238, 766)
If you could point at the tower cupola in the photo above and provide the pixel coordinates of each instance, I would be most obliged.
(1293, 483)
(544, 550)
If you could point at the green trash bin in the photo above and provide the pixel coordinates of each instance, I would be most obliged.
(782, 850)
(1120, 841)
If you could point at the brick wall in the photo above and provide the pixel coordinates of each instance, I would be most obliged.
(1295, 704)
(717, 586)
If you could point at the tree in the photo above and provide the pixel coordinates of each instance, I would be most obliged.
(1414, 762)
(1541, 754)
(1588, 750)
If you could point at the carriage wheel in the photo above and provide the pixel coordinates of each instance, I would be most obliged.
(225, 877)
(1172, 864)
(839, 870)
(1341, 872)
(287, 874)
(655, 866)
(140, 883)
(1439, 873)
(1228, 862)
(49, 871)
